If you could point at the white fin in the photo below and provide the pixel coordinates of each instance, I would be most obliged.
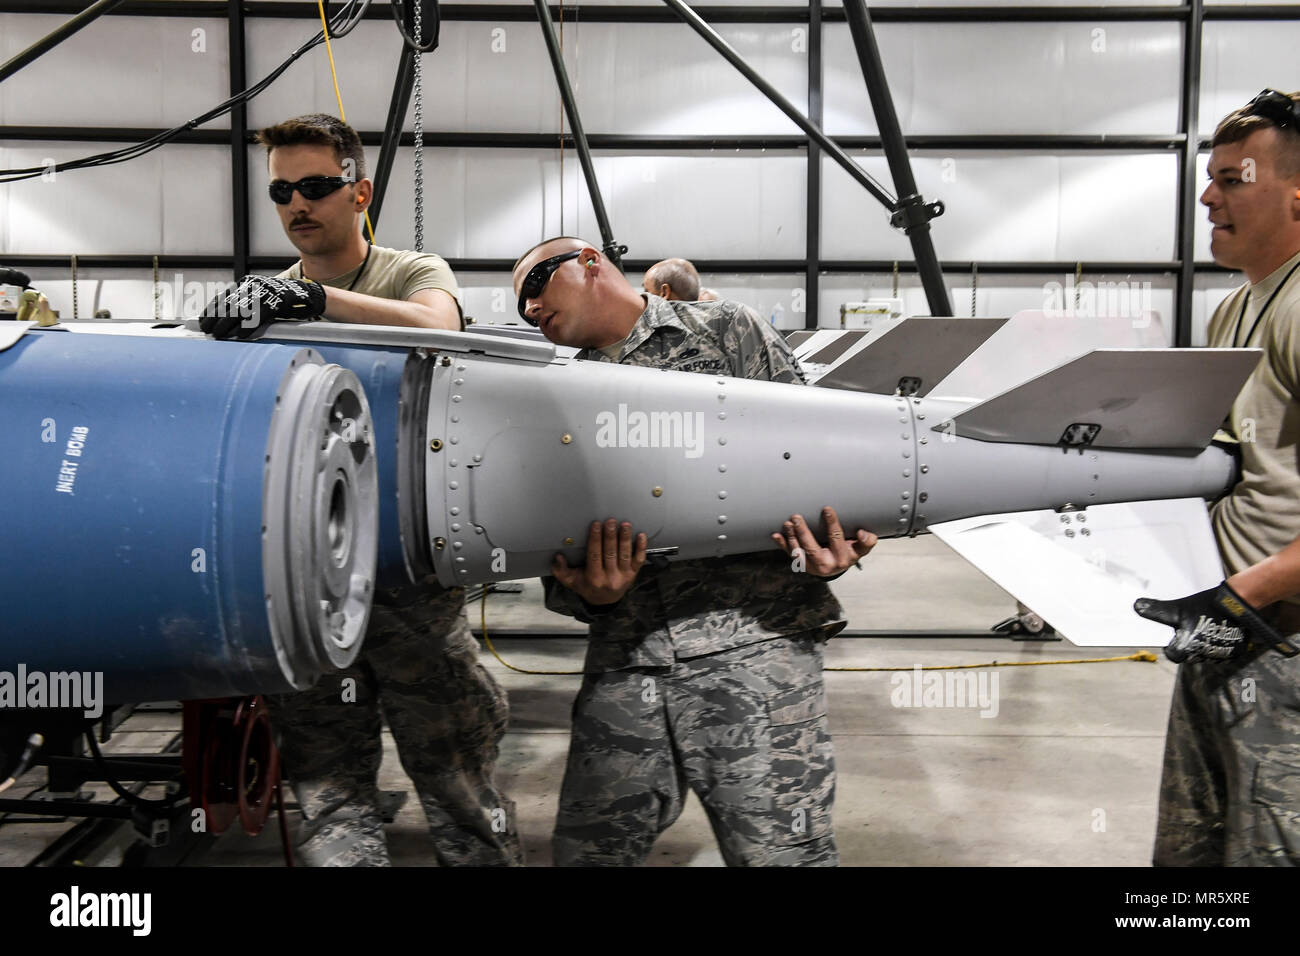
(1084, 585)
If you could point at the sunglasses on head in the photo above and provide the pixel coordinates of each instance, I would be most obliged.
(1278, 107)
(313, 187)
(537, 278)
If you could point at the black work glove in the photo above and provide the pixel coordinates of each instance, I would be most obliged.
(256, 301)
(14, 277)
(1214, 625)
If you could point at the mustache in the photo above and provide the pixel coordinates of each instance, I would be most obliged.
(303, 222)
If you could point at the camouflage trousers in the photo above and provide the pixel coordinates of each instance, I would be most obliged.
(1230, 789)
(418, 670)
(746, 729)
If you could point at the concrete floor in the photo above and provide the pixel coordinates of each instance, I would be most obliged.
(1065, 773)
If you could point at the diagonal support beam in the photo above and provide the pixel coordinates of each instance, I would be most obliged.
(48, 42)
(910, 213)
(913, 214)
(612, 248)
(693, 20)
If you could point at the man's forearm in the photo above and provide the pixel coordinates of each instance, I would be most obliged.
(344, 306)
(1274, 578)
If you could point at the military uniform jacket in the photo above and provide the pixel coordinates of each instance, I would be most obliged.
(692, 608)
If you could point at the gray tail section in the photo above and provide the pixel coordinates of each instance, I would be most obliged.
(1117, 398)
(910, 359)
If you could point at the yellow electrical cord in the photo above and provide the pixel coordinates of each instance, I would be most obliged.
(320, 5)
(1139, 656)
(488, 641)
(1144, 656)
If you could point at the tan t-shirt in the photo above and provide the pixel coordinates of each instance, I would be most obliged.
(393, 274)
(615, 351)
(1261, 515)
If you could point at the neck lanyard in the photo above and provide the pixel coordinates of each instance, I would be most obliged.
(356, 278)
(1244, 302)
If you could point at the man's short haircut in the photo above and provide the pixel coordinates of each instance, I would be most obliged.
(547, 242)
(679, 275)
(1241, 123)
(318, 129)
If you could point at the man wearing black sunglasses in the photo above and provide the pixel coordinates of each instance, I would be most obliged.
(1230, 789)
(419, 669)
(704, 674)
(320, 191)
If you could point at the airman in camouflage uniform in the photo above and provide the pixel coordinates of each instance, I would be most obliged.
(419, 669)
(704, 674)
(1230, 791)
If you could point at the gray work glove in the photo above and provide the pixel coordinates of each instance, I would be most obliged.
(256, 301)
(1213, 625)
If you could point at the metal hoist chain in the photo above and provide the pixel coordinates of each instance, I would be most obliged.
(417, 95)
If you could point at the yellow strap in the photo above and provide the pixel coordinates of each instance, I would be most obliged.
(320, 5)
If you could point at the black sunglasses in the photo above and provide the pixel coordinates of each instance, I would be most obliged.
(1278, 107)
(537, 278)
(313, 187)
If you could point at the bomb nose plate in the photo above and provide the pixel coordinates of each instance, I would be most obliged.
(320, 514)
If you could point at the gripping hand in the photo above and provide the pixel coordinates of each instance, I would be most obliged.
(256, 301)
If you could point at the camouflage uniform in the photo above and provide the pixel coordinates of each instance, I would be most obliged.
(419, 666)
(418, 669)
(746, 729)
(1230, 790)
(706, 673)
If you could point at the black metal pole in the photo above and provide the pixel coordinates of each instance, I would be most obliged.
(812, 274)
(397, 106)
(692, 19)
(612, 249)
(913, 213)
(1189, 120)
(238, 142)
(56, 36)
